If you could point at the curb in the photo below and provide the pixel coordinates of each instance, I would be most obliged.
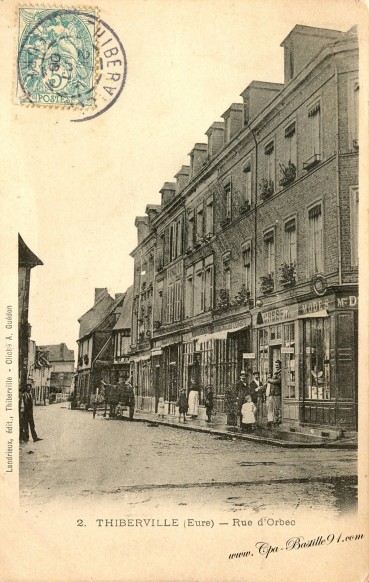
(231, 435)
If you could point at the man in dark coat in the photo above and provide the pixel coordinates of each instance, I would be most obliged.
(26, 416)
(209, 402)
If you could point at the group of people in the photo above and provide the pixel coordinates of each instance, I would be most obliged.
(190, 406)
(244, 402)
(26, 420)
(249, 399)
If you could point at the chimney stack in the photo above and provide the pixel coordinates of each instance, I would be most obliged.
(215, 135)
(167, 192)
(198, 157)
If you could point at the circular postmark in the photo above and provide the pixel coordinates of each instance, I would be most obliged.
(69, 58)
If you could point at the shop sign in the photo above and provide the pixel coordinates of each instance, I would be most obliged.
(281, 314)
(313, 306)
(287, 350)
(248, 356)
(348, 301)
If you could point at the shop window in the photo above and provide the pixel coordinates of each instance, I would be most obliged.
(354, 225)
(315, 242)
(289, 382)
(316, 343)
(275, 332)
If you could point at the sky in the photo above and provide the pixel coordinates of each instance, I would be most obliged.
(73, 190)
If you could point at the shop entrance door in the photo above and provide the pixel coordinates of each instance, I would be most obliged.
(274, 354)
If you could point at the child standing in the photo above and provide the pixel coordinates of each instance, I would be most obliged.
(161, 407)
(248, 412)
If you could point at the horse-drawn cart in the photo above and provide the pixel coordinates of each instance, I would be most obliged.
(118, 397)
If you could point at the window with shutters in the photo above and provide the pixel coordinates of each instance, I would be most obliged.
(228, 200)
(290, 144)
(173, 241)
(315, 240)
(177, 300)
(353, 112)
(199, 223)
(190, 229)
(268, 184)
(209, 220)
(246, 261)
(314, 136)
(269, 252)
(170, 303)
(354, 225)
(290, 247)
(247, 198)
(198, 299)
(227, 272)
(179, 236)
(208, 283)
(189, 292)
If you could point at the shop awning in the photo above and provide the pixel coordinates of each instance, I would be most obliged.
(321, 313)
(236, 329)
(221, 334)
(140, 358)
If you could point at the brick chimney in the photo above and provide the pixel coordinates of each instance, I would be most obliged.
(215, 135)
(198, 157)
(256, 97)
(182, 178)
(167, 192)
(152, 210)
(302, 44)
(100, 292)
(142, 225)
(233, 121)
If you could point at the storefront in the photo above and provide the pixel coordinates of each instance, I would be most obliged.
(316, 341)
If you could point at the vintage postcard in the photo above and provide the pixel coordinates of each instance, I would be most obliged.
(184, 305)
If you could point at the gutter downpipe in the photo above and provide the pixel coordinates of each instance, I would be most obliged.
(255, 213)
(338, 175)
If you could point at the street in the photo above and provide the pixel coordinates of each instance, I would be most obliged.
(98, 461)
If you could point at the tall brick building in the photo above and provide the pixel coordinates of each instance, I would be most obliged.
(252, 255)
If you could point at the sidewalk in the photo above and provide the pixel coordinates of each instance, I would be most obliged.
(281, 437)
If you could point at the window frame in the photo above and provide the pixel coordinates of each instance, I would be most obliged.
(311, 239)
(266, 253)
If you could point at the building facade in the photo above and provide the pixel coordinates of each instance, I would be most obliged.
(95, 345)
(252, 255)
(61, 360)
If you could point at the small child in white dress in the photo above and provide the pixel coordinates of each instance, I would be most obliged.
(248, 412)
(161, 407)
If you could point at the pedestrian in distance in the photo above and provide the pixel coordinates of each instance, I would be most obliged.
(209, 402)
(26, 419)
(182, 405)
(193, 400)
(248, 412)
(242, 388)
(161, 407)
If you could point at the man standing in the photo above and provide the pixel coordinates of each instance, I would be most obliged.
(257, 389)
(26, 418)
(275, 392)
(242, 389)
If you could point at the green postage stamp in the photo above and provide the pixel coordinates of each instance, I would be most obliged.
(57, 56)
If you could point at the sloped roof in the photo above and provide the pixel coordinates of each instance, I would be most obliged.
(96, 315)
(59, 353)
(26, 258)
(124, 321)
